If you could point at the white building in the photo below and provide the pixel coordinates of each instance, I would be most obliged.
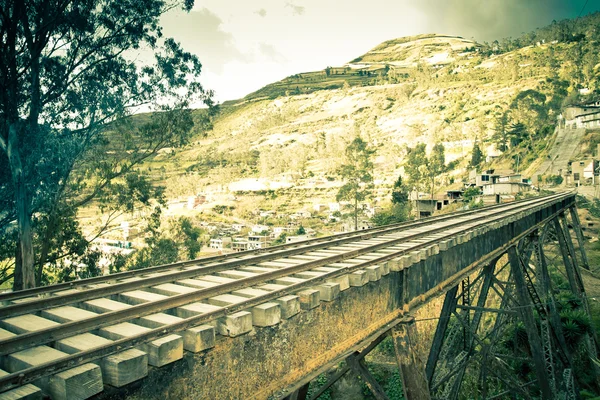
(260, 228)
(220, 243)
(297, 238)
(257, 242)
(238, 227)
(333, 207)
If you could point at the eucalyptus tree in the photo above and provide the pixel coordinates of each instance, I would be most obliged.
(68, 80)
(357, 173)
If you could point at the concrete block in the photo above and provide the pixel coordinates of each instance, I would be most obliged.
(374, 272)
(288, 280)
(153, 321)
(118, 369)
(77, 383)
(395, 264)
(189, 310)
(125, 367)
(415, 256)
(67, 314)
(250, 292)
(385, 268)
(103, 305)
(27, 323)
(225, 300)
(271, 287)
(171, 289)
(309, 274)
(26, 392)
(329, 291)
(406, 261)
(237, 274)
(267, 314)
(160, 351)
(358, 278)
(199, 338)
(139, 297)
(216, 279)
(289, 306)
(309, 298)
(196, 283)
(343, 281)
(235, 325)
(4, 334)
(164, 350)
(194, 339)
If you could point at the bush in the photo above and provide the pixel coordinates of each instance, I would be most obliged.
(554, 179)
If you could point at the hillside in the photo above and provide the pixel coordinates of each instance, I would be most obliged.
(427, 88)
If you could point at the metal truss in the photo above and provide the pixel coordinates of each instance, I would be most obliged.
(522, 330)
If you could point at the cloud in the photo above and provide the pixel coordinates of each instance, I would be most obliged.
(497, 19)
(262, 12)
(296, 9)
(200, 32)
(271, 52)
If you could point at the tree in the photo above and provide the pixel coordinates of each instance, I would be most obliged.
(357, 173)
(436, 164)
(399, 210)
(500, 136)
(416, 168)
(66, 80)
(400, 192)
(301, 230)
(476, 155)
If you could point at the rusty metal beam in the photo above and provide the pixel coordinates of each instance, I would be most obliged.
(530, 325)
(412, 372)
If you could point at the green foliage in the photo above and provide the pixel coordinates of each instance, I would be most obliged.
(400, 192)
(316, 384)
(476, 155)
(416, 165)
(554, 179)
(394, 214)
(593, 205)
(300, 230)
(281, 239)
(576, 325)
(470, 193)
(470, 197)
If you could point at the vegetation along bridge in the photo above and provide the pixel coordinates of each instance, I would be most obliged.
(264, 323)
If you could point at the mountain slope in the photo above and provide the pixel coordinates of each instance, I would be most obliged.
(428, 88)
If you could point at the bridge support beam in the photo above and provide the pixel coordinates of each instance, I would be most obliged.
(535, 343)
(412, 371)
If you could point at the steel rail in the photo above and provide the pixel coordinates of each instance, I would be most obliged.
(120, 287)
(170, 276)
(30, 374)
(359, 235)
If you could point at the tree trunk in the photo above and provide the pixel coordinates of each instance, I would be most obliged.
(355, 214)
(24, 273)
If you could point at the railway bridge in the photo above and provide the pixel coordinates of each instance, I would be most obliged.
(263, 324)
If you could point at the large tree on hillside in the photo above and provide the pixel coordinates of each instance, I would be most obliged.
(436, 165)
(67, 71)
(357, 173)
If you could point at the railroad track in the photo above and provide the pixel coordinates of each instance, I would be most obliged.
(139, 312)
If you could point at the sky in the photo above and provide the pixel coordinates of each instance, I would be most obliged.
(246, 44)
